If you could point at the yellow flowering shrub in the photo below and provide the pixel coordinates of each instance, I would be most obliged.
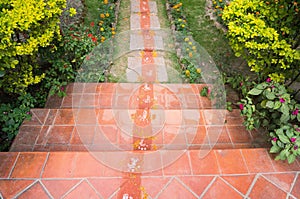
(25, 26)
(266, 34)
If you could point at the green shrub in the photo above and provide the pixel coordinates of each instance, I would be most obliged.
(270, 105)
(25, 27)
(266, 34)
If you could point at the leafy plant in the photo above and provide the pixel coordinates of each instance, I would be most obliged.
(276, 110)
(12, 115)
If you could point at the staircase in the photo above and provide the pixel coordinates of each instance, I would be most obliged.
(141, 139)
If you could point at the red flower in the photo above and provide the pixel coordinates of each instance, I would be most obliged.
(268, 79)
(293, 139)
(92, 24)
(274, 139)
(241, 107)
(282, 100)
(94, 39)
(295, 112)
(90, 35)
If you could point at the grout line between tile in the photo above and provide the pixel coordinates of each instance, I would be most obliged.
(219, 167)
(252, 185)
(187, 187)
(231, 186)
(24, 190)
(13, 167)
(73, 188)
(164, 188)
(244, 160)
(208, 187)
(274, 184)
(190, 161)
(45, 189)
(90, 184)
(44, 165)
(294, 182)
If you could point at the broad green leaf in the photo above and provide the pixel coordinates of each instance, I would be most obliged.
(255, 91)
(284, 109)
(270, 104)
(2, 73)
(284, 139)
(291, 158)
(270, 95)
(277, 105)
(275, 149)
(284, 118)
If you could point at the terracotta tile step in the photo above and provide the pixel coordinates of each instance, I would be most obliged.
(235, 173)
(107, 130)
(126, 95)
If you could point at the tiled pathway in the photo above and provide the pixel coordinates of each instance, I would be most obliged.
(240, 173)
(141, 140)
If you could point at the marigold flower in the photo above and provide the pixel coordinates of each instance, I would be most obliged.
(190, 54)
(113, 32)
(107, 14)
(105, 1)
(102, 15)
(187, 73)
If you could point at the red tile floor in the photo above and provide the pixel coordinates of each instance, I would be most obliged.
(226, 173)
(132, 141)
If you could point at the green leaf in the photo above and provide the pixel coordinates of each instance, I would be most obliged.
(2, 73)
(270, 95)
(255, 91)
(277, 105)
(291, 158)
(284, 139)
(275, 149)
(284, 118)
(270, 104)
(284, 109)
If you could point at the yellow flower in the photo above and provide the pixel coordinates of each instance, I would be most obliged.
(183, 25)
(190, 54)
(107, 14)
(220, 1)
(187, 49)
(190, 43)
(101, 29)
(102, 15)
(112, 29)
(187, 73)
(179, 19)
(105, 1)
(186, 39)
(194, 47)
(113, 32)
(72, 12)
(199, 70)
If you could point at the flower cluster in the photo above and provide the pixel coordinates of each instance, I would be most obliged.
(106, 20)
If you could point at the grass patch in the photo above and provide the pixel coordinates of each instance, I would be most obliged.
(210, 37)
(91, 11)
